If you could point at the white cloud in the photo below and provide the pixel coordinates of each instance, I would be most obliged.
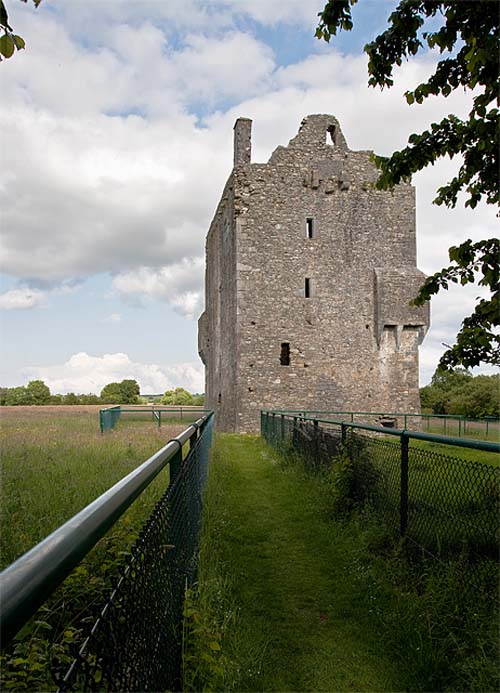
(181, 285)
(113, 318)
(108, 168)
(448, 309)
(22, 299)
(84, 373)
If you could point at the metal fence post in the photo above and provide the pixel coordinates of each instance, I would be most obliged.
(403, 507)
(159, 418)
(316, 442)
(193, 438)
(175, 464)
(282, 430)
(343, 433)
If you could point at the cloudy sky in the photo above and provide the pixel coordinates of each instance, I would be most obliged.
(116, 140)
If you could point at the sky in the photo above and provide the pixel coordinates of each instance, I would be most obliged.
(116, 127)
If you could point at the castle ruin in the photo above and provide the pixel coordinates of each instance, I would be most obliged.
(309, 274)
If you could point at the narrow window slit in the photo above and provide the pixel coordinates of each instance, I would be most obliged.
(307, 287)
(309, 227)
(285, 354)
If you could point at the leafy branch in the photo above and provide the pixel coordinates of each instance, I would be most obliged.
(9, 41)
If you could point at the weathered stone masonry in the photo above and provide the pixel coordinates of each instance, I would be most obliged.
(308, 277)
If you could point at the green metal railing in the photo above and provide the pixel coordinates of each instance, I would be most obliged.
(447, 424)
(135, 643)
(109, 417)
(445, 505)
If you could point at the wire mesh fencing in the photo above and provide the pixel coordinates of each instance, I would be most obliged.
(136, 643)
(442, 504)
(109, 417)
(487, 428)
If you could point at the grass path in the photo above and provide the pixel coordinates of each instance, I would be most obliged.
(294, 619)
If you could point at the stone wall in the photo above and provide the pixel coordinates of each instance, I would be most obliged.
(305, 257)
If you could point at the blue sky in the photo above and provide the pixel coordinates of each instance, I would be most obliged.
(116, 140)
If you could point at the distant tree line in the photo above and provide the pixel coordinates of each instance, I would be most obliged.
(459, 392)
(180, 396)
(36, 392)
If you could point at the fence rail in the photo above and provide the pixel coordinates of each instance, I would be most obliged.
(446, 424)
(109, 417)
(135, 644)
(444, 505)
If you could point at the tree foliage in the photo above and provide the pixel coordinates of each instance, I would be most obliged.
(182, 397)
(456, 391)
(468, 40)
(126, 392)
(9, 41)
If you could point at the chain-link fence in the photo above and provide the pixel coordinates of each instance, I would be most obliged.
(487, 428)
(135, 644)
(443, 504)
(109, 417)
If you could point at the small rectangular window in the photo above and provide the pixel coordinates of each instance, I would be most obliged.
(309, 227)
(285, 354)
(307, 287)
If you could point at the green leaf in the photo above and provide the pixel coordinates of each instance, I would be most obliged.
(214, 645)
(6, 46)
(19, 42)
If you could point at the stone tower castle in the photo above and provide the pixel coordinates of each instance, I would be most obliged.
(309, 274)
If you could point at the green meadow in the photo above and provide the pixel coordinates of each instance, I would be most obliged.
(55, 461)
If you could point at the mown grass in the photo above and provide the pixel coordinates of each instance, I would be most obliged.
(54, 462)
(472, 429)
(270, 568)
(290, 598)
(469, 454)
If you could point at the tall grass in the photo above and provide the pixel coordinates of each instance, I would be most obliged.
(54, 462)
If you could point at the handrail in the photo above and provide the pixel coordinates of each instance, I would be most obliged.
(489, 419)
(483, 445)
(155, 407)
(26, 583)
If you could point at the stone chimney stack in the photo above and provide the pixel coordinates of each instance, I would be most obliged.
(242, 141)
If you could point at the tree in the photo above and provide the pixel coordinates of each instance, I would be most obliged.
(468, 39)
(199, 400)
(10, 41)
(179, 396)
(126, 392)
(456, 391)
(15, 396)
(111, 393)
(38, 392)
(130, 391)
